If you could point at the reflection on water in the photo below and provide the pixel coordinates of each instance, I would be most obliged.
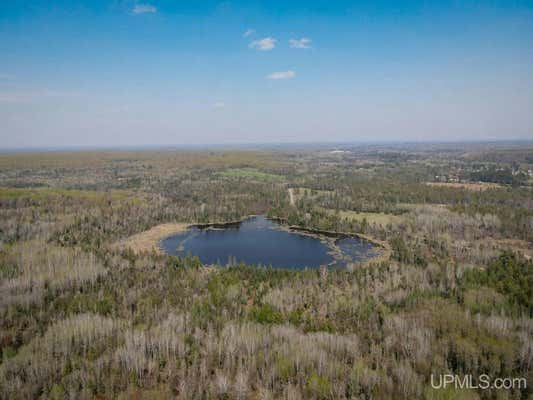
(259, 241)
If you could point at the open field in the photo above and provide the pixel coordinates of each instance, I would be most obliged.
(380, 219)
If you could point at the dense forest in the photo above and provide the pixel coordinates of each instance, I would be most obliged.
(85, 316)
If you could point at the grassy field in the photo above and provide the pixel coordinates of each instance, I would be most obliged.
(380, 219)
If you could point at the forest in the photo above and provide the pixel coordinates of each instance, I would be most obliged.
(85, 314)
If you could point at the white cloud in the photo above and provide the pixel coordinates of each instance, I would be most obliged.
(303, 43)
(282, 75)
(219, 104)
(144, 8)
(249, 32)
(267, 43)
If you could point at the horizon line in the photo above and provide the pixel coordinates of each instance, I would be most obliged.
(241, 145)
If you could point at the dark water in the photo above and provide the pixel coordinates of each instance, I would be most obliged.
(259, 241)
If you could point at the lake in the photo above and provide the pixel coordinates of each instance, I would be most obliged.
(262, 242)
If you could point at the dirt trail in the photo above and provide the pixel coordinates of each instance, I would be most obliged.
(291, 197)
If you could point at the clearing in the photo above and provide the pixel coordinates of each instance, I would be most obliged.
(149, 240)
(380, 219)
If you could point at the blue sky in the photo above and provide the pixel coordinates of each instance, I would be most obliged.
(96, 73)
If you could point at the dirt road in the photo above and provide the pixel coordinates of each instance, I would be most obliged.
(291, 197)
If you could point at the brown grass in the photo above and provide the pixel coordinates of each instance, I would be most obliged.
(149, 240)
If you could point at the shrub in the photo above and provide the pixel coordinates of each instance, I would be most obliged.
(266, 314)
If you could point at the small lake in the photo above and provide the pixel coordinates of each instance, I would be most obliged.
(260, 241)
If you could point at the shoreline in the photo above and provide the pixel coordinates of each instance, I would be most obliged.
(220, 225)
(150, 240)
(384, 247)
(337, 235)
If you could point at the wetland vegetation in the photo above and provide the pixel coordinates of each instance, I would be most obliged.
(91, 309)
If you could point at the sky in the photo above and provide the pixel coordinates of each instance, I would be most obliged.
(159, 72)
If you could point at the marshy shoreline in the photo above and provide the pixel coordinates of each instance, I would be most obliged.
(151, 239)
